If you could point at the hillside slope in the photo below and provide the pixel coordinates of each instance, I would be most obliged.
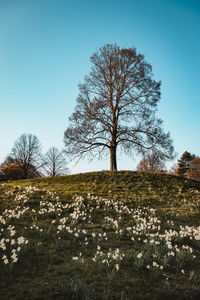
(171, 193)
(100, 235)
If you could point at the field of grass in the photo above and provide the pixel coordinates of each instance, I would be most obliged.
(101, 235)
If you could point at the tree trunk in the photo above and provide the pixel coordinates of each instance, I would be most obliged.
(25, 168)
(113, 158)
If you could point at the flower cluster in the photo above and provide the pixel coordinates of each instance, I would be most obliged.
(110, 258)
(11, 246)
(89, 222)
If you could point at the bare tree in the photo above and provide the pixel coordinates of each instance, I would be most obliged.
(27, 154)
(54, 162)
(116, 109)
(194, 171)
(152, 163)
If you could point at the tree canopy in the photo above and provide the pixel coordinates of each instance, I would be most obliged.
(10, 169)
(26, 152)
(116, 109)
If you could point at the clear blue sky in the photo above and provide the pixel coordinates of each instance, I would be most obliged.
(45, 49)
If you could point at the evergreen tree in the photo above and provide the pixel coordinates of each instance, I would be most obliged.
(184, 163)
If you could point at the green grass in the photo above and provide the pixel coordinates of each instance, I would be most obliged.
(100, 235)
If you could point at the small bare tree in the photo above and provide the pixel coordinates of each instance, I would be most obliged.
(116, 109)
(27, 154)
(54, 163)
(152, 163)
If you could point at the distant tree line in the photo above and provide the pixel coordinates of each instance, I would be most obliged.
(26, 160)
(187, 166)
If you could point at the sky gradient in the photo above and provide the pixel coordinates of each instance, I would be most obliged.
(45, 49)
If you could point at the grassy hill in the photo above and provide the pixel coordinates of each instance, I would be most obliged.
(100, 235)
